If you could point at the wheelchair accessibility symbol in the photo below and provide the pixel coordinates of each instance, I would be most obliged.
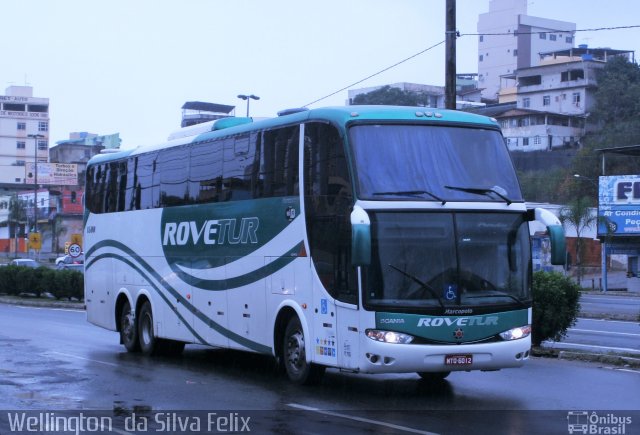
(451, 292)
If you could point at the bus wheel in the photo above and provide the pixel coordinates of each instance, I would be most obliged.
(148, 341)
(294, 356)
(433, 376)
(128, 329)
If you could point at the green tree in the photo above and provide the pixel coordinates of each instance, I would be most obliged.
(616, 115)
(388, 95)
(578, 214)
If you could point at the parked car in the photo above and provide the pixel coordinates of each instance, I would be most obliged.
(78, 267)
(68, 259)
(25, 262)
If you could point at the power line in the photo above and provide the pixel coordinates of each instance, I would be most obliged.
(458, 34)
(597, 29)
(375, 74)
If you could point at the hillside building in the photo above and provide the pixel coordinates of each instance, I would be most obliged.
(509, 39)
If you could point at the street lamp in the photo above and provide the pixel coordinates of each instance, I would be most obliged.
(590, 180)
(248, 98)
(35, 138)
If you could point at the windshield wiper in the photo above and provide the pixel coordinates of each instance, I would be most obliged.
(494, 294)
(412, 193)
(481, 191)
(423, 285)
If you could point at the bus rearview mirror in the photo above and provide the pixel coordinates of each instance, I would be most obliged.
(360, 237)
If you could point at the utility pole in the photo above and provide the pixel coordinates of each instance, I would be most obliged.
(450, 56)
(35, 138)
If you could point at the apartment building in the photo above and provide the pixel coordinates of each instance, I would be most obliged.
(551, 102)
(509, 39)
(24, 132)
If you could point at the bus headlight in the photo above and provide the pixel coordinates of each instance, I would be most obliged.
(389, 336)
(516, 333)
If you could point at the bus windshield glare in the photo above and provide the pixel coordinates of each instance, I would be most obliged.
(432, 163)
(444, 260)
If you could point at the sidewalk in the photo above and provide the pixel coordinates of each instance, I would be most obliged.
(617, 281)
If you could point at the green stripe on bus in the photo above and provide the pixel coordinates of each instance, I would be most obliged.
(242, 280)
(160, 293)
(206, 320)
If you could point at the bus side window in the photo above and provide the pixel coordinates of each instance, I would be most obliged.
(172, 173)
(328, 201)
(237, 167)
(147, 193)
(279, 162)
(205, 177)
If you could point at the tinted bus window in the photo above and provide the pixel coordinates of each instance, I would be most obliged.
(328, 201)
(205, 175)
(238, 167)
(172, 172)
(145, 193)
(279, 162)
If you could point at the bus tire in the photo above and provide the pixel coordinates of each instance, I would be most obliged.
(129, 328)
(433, 376)
(294, 358)
(149, 344)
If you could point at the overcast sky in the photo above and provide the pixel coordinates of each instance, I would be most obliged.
(128, 66)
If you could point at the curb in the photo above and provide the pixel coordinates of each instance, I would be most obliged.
(606, 358)
(618, 360)
(41, 303)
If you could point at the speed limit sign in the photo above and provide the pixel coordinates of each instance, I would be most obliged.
(75, 250)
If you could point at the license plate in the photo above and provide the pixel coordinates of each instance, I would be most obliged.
(458, 360)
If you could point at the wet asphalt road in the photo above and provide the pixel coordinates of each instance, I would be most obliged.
(54, 360)
(611, 306)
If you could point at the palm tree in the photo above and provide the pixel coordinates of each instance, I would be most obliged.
(578, 214)
(17, 214)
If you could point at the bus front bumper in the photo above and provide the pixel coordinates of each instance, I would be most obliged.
(378, 357)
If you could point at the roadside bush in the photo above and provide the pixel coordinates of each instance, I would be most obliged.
(556, 304)
(26, 281)
(16, 280)
(68, 284)
(8, 278)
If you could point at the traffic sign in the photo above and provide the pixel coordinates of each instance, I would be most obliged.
(75, 250)
(35, 241)
(76, 239)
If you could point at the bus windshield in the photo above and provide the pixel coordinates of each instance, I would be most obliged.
(432, 163)
(426, 260)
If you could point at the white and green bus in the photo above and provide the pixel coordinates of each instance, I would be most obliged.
(371, 239)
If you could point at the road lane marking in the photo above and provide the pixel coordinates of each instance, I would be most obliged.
(82, 358)
(622, 370)
(619, 301)
(69, 310)
(360, 419)
(627, 322)
(115, 429)
(596, 331)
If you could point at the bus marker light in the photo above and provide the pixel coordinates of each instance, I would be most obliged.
(304, 306)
